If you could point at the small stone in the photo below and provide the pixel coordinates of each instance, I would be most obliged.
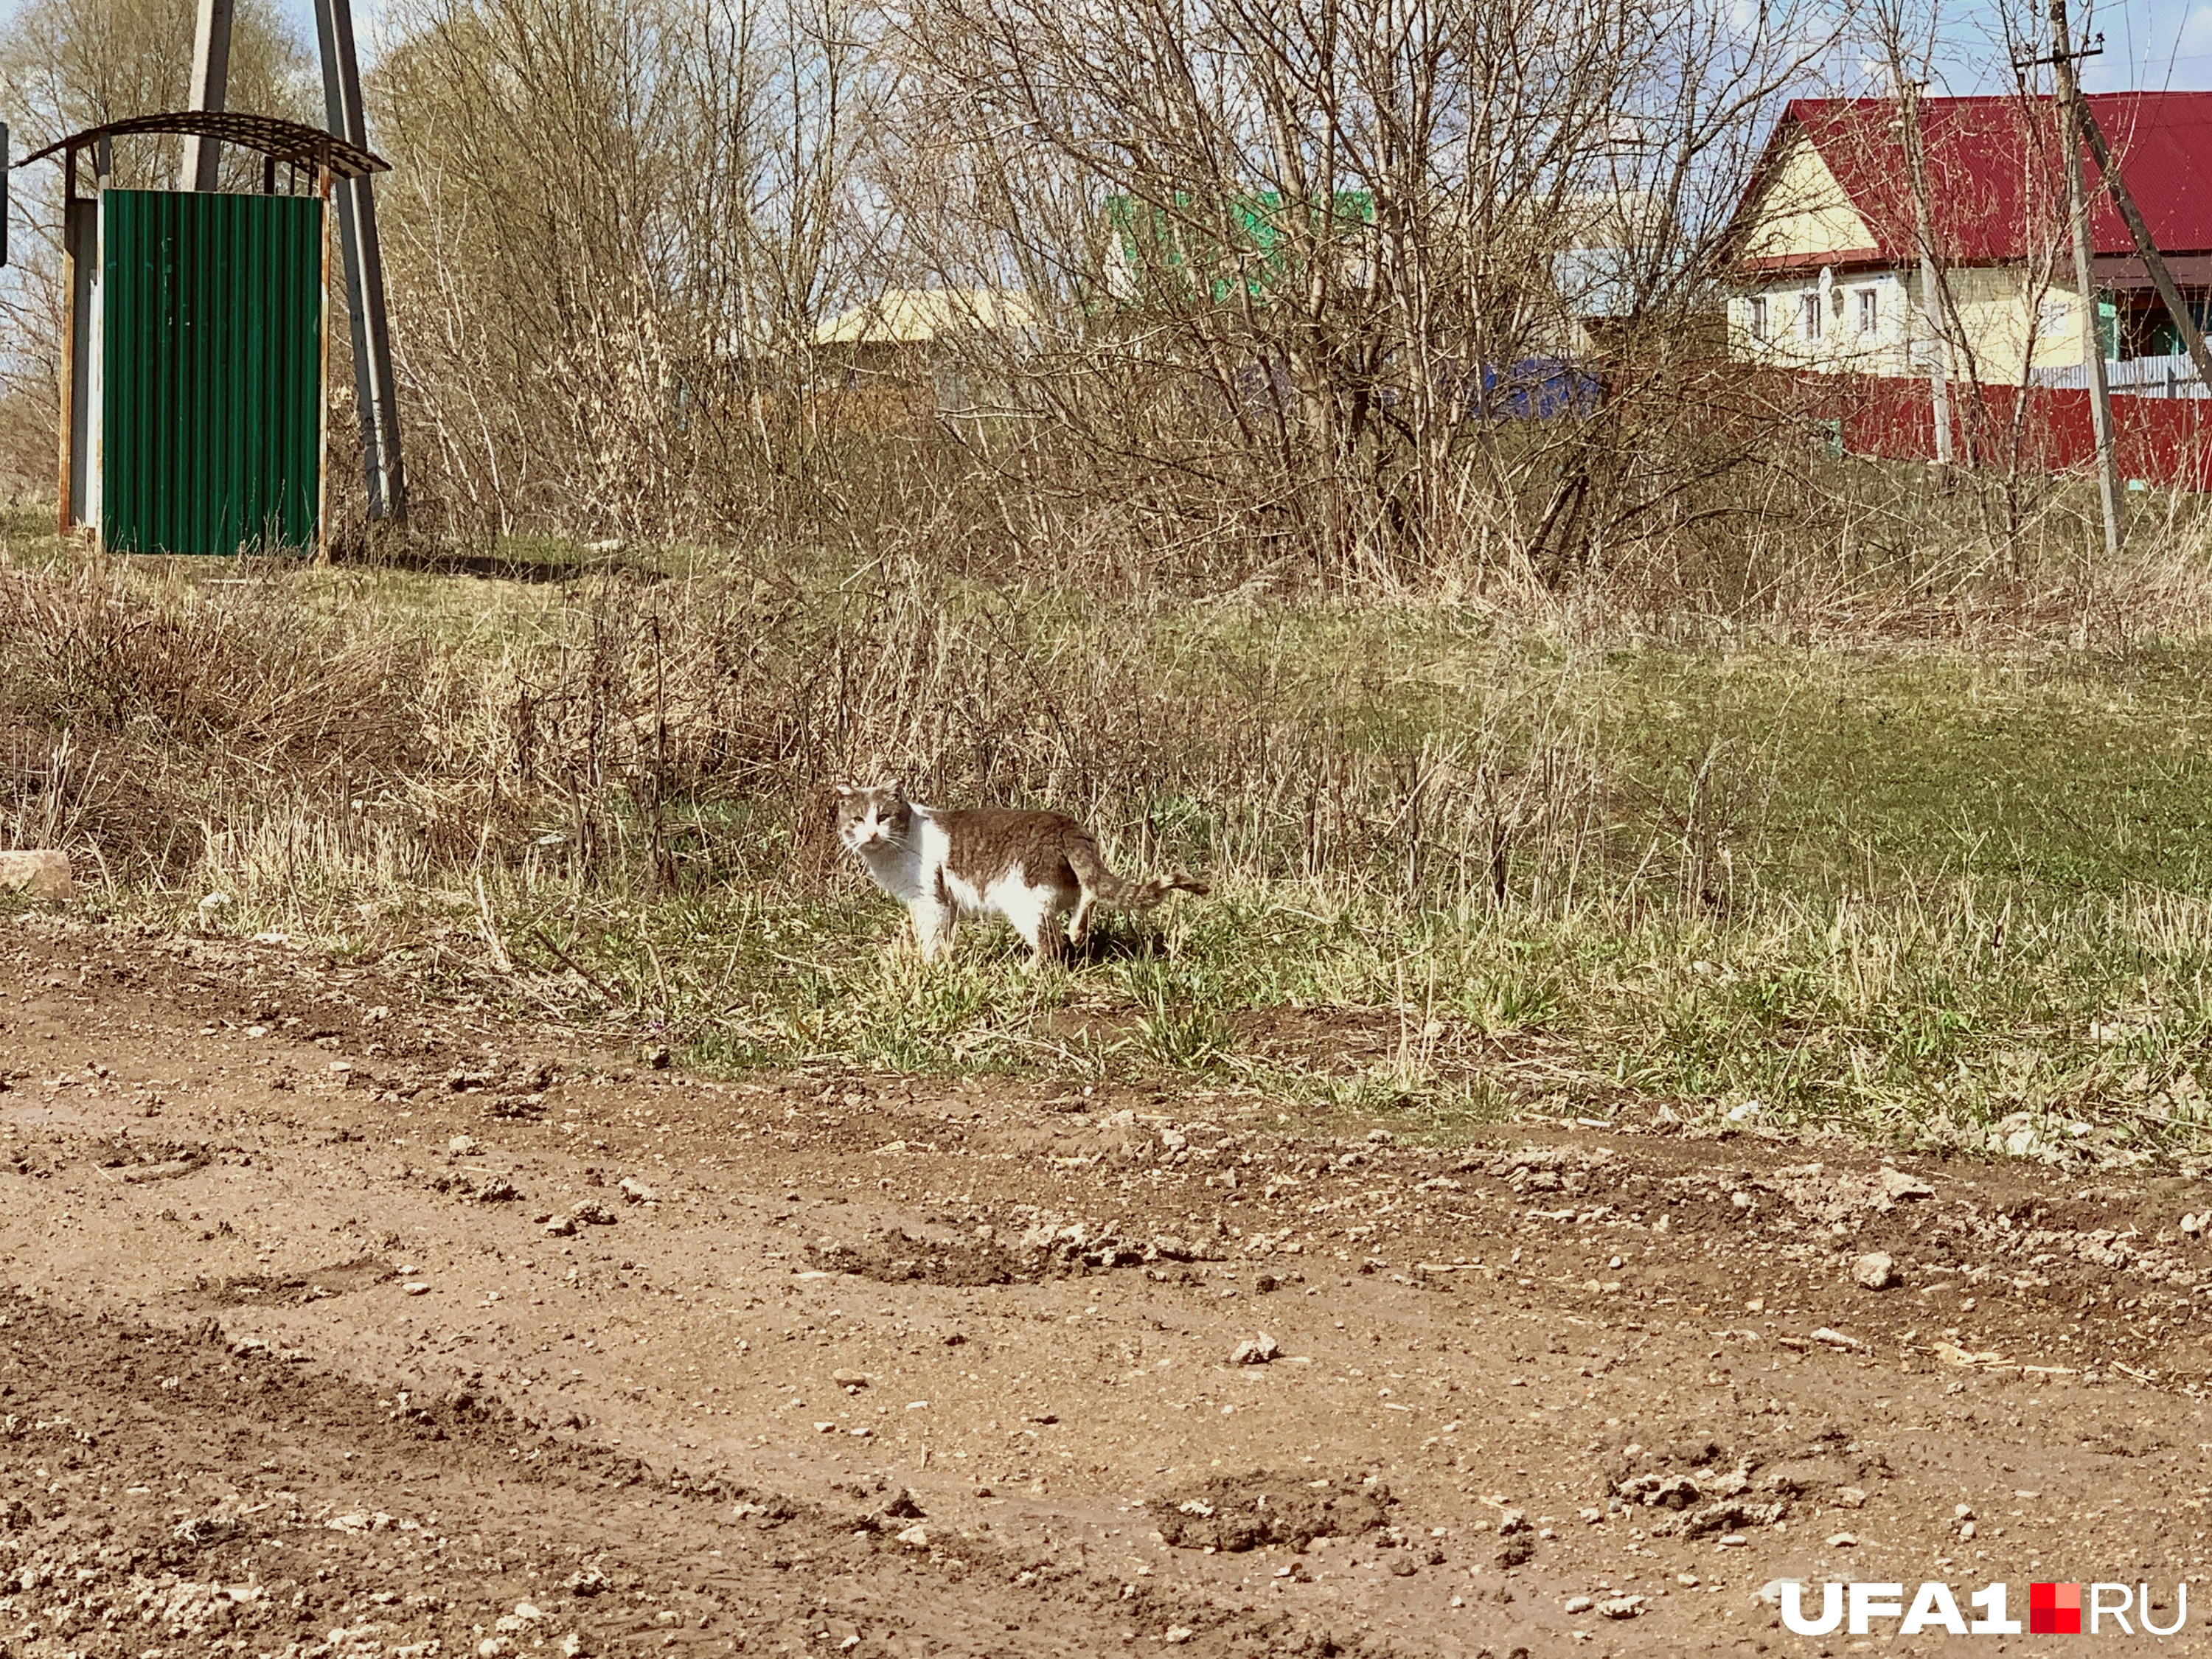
(634, 1191)
(1850, 1498)
(2192, 1225)
(1257, 1353)
(527, 1613)
(1841, 1540)
(1402, 1566)
(1874, 1271)
(593, 1213)
(1965, 1529)
(915, 1536)
(1620, 1607)
(461, 1146)
(1578, 1604)
(1511, 1521)
(415, 1287)
(1178, 1634)
(1378, 1136)
(850, 1381)
(572, 1646)
(1771, 1592)
(656, 1056)
(1896, 1185)
(43, 873)
(561, 1226)
(1963, 1512)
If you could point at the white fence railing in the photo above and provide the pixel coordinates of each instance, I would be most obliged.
(2141, 377)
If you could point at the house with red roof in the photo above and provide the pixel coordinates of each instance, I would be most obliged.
(1826, 268)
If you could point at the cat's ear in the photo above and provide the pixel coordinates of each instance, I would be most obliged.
(842, 790)
(893, 788)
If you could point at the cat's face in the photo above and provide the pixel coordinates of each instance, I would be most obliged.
(873, 815)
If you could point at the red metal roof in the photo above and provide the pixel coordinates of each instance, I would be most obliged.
(1996, 175)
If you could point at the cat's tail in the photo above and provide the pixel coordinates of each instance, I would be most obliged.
(1119, 891)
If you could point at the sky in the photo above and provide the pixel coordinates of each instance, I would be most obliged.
(2150, 44)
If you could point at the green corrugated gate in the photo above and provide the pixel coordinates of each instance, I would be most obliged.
(211, 371)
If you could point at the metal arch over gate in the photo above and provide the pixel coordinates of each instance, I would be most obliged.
(196, 344)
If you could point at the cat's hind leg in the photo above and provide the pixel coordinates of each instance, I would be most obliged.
(1033, 912)
(1078, 922)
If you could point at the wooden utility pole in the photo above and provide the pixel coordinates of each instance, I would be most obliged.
(202, 160)
(2073, 117)
(1931, 299)
(2185, 323)
(387, 478)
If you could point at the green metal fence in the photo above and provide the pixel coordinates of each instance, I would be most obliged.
(211, 371)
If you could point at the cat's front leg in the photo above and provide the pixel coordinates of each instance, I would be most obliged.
(934, 927)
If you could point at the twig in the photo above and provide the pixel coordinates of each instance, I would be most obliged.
(575, 967)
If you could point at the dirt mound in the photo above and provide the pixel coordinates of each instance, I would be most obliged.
(897, 1257)
(1282, 1506)
(270, 1290)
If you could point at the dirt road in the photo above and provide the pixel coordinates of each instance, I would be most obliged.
(332, 1322)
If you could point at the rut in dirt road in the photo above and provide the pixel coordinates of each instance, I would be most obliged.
(973, 1367)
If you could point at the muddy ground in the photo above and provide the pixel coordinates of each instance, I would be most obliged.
(334, 1322)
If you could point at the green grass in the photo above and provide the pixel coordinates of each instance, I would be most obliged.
(1925, 895)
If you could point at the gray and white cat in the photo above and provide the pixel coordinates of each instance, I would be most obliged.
(1032, 868)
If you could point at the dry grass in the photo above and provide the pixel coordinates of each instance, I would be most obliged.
(1469, 857)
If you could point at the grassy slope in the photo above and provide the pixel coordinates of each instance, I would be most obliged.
(1912, 892)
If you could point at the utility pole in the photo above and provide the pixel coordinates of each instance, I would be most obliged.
(2073, 117)
(2185, 323)
(202, 160)
(1932, 300)
(378, 410)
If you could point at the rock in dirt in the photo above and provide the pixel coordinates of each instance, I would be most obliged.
(1515, 1550)
(1244, 1511)
(593, 1213)
(1874, 1271)
(40, 874)
(1256, 1352)
(634, 1191)
(1619, 1606)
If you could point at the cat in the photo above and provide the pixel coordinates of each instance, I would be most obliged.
(1030, 867)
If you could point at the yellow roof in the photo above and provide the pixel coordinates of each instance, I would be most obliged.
(912, 316)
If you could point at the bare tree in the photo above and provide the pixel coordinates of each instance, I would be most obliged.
(1283, 254)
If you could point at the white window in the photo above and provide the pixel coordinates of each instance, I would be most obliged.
(1869, 310)
(1811, 307)
(1759, 326)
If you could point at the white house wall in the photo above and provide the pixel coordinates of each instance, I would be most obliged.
(1995, 310)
